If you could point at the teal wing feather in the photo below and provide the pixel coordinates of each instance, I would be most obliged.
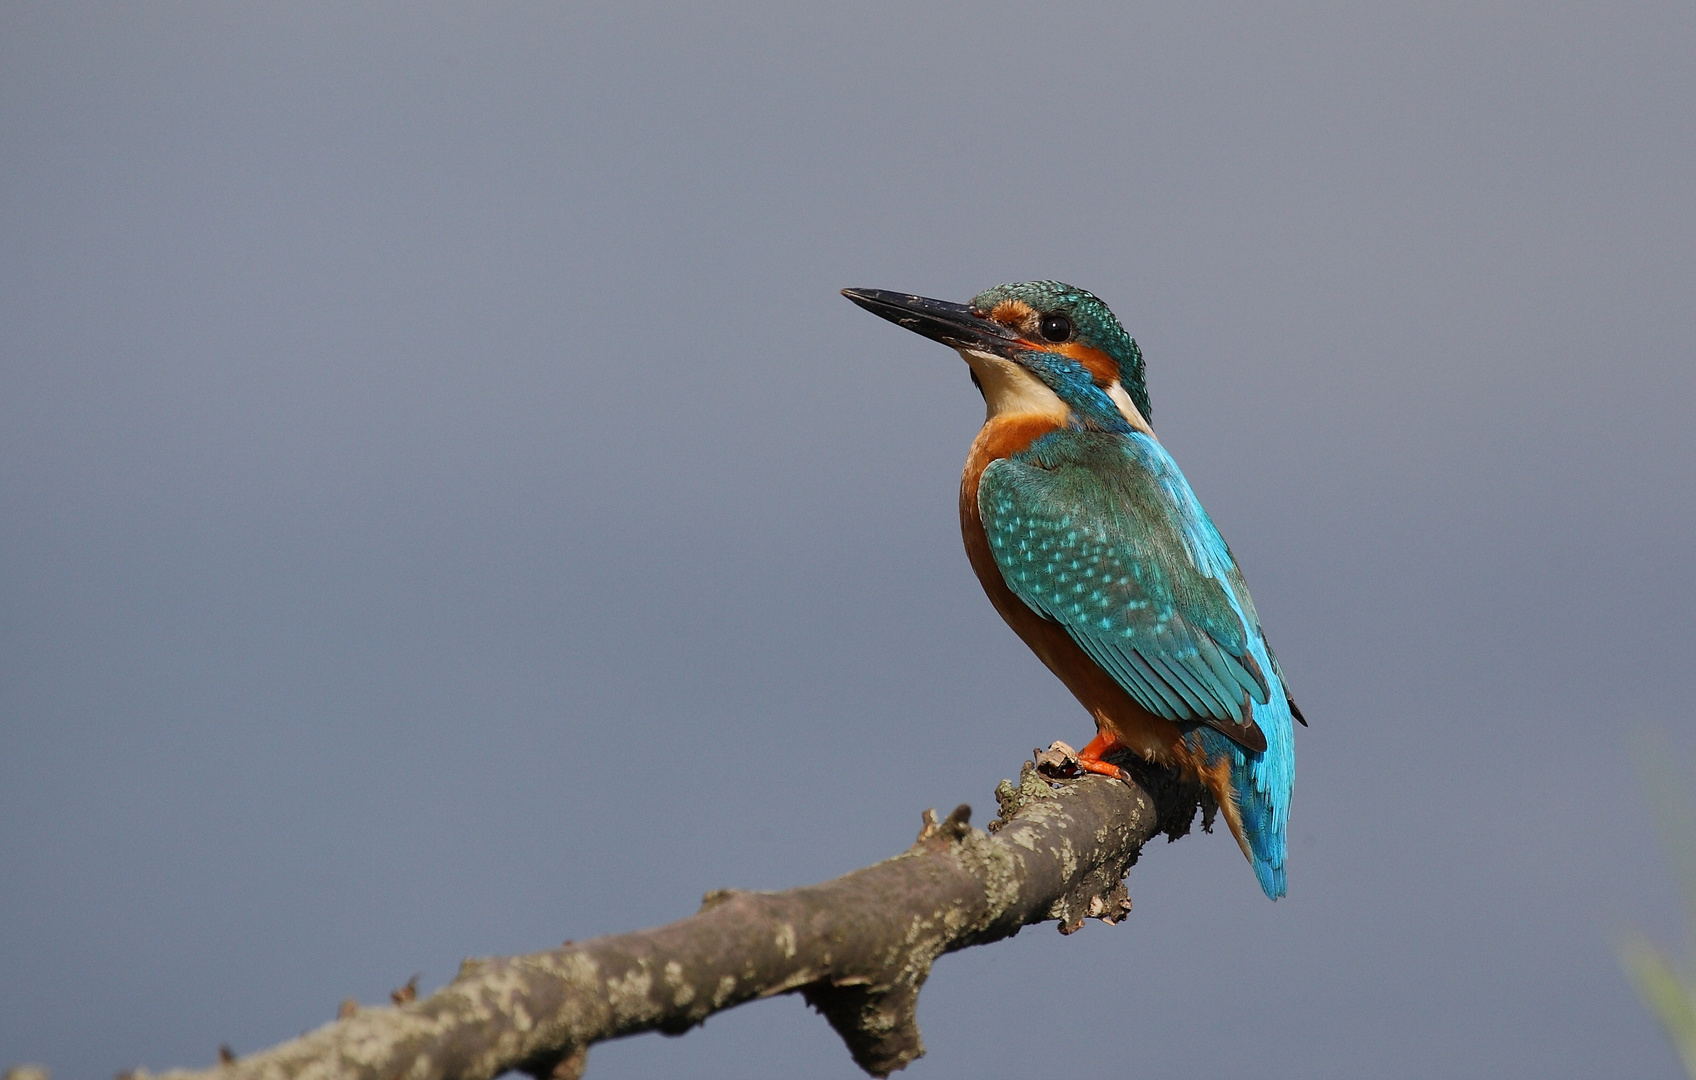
(1101, 533)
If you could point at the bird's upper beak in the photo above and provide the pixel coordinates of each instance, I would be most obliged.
(955, 325)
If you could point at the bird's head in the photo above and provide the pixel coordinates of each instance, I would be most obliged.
(1034, 347)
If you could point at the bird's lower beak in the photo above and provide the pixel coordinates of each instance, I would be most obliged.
(955, 325)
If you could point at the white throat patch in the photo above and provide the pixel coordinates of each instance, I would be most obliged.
(1009, 388)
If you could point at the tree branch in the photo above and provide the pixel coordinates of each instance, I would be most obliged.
(857, 948)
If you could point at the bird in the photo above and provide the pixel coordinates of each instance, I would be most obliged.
(1092, 546)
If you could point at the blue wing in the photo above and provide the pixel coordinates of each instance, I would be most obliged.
(1101, 533)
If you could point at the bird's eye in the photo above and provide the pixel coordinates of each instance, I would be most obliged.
(1055, 327)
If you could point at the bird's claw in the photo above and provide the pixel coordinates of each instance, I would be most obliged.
(1103, 768)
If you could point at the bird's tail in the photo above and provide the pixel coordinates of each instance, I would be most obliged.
(1260, 787)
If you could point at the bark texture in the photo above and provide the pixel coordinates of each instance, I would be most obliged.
(857, 948)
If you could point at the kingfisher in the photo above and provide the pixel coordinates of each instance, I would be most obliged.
(1094, 549)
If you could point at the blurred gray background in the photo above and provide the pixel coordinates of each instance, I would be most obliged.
(445, 506)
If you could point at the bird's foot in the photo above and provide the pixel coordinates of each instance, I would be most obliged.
(1103, 768)
(1089, 758)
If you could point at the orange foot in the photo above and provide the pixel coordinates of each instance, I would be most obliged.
(1089, 758)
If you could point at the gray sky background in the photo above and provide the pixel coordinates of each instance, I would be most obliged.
(446, 508)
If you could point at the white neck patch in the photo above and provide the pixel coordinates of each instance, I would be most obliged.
(1128, 409)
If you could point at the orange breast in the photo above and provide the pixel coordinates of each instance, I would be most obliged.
(1116, 713)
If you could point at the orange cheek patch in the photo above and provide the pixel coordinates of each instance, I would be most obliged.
(1099, 365)
(1022, 317)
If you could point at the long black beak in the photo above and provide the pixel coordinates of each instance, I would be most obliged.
(955, 325)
